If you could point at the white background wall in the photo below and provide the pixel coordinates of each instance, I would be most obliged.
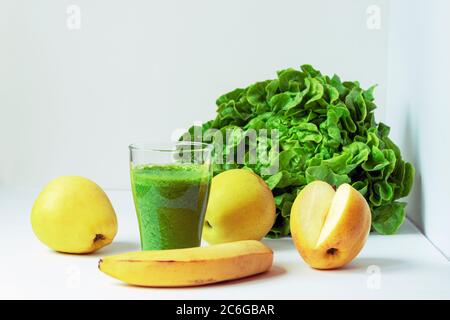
(418, 106)
(72, 100)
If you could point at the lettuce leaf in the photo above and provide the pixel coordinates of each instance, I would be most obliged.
(327, 131)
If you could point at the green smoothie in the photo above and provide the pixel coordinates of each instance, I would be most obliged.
(170, 203)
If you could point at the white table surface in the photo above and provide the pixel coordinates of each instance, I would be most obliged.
(403, 266)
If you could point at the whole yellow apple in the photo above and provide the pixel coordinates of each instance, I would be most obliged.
(329, 228)
(74, 215)
(240, 207)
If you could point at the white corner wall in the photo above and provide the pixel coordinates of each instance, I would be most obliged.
(418, 108)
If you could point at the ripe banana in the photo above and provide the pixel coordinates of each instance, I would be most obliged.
(189, 267)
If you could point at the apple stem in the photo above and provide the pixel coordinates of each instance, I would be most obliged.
(332, 251)
(99, 237)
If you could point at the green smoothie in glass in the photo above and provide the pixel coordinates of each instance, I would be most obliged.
(170, 201)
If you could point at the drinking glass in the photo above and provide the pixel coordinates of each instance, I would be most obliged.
(170, 184)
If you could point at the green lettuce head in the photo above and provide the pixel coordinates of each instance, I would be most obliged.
(326, 131)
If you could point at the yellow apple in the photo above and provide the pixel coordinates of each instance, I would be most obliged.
(240, 207)
(329, 228)
(74, 215)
